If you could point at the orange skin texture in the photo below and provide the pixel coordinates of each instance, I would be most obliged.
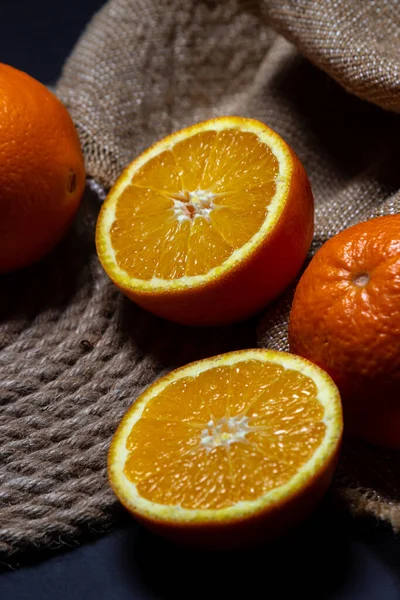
(345, 318)
(42, 173)
(255, 281)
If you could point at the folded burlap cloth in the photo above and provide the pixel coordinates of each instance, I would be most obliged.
(74, 352)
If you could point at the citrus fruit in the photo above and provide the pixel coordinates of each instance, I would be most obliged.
(229, 450)
(345, 317)
(209, 224)
(42, 173)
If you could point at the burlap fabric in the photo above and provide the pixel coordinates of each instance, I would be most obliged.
(74, 352)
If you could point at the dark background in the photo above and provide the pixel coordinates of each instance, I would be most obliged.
(36, 36)
(331, 557)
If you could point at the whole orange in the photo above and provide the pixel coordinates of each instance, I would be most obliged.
(42, 174)
(346, 318)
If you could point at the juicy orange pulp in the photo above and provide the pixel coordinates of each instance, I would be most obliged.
(228, 434)
(190, 207)
(209, 224)
(230, 450)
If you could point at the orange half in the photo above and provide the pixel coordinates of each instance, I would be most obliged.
(209, 224)
(228, 450)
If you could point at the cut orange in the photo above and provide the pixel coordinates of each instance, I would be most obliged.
(229, 450)
(209, 224)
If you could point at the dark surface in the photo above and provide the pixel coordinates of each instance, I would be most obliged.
(328, 558)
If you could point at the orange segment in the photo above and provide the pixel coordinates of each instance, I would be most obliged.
(191, 157)
(226, 438)
(181, 229)
(239, 161)
(207, 248)
(247, 210)
(160, 173)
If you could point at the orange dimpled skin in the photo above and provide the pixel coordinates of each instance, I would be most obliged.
(42, 174)
(346, 318)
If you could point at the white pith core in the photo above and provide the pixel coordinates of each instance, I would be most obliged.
(192, 205)
(225, 431)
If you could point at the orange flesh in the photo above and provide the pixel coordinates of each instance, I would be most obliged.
(228, 434)
(189, 208)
